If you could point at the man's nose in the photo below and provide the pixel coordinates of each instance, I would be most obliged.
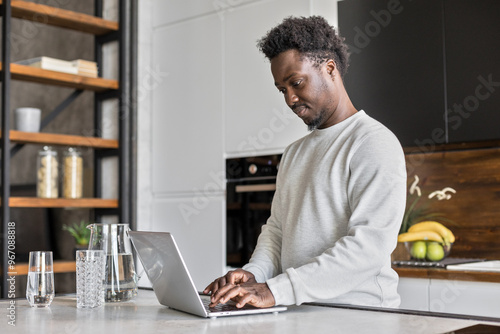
(291, 99)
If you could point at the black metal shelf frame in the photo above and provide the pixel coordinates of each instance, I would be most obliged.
(5, 146)
(127, 113)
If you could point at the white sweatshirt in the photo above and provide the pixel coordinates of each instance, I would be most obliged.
(335, 216)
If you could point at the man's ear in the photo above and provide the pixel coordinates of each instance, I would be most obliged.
(330, 67)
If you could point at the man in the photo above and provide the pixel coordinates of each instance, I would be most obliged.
(340, 191)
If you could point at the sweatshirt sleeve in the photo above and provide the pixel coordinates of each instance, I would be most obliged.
(376, 190)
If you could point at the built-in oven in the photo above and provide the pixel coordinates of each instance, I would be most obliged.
(251, 183)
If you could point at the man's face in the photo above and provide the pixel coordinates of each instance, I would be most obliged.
(309, 91)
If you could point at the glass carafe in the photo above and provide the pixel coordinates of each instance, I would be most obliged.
(120, 278)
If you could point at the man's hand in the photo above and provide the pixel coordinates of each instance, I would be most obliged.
(240, 286)
(222, 284)
(255, 294)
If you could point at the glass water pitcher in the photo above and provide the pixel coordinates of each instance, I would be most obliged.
(120, 279)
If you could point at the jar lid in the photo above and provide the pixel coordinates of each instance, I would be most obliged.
(72, 150)
(48, 150)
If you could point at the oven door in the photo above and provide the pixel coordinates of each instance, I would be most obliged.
(248, 208)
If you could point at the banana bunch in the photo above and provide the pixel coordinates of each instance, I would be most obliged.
(428, 231)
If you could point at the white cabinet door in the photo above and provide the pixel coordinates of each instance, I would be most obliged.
(257, 119)
(171, 11)
(461, 297)
(167, 12)
(414, 293)
(200, 235)
(185, 84)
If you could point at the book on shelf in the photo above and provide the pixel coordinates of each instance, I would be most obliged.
(77, 67)
(85, 67)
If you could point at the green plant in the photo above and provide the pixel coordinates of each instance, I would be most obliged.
(79, 231)
(416, 212)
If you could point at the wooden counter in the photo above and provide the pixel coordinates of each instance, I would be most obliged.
(438, 273)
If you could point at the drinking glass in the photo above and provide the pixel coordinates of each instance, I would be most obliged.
(89, 278)
(40, 287)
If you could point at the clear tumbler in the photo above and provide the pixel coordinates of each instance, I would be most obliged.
(89, 278)
(40, 286)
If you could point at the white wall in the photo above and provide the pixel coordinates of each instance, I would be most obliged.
(205, 94)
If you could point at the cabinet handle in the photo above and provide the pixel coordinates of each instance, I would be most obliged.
(255, 188)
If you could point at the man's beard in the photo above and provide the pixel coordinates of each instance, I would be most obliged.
(313, 125)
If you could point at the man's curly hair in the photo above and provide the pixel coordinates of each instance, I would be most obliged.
(312, 36)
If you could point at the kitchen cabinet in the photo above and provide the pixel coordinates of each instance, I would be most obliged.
(414, 293)
(472, 49)
(185, 172)
(450, 296)
(460, 297)
(412, 62)
(187, 111)
(396, 68)
(257, 119)
(173, 11)
(104, 89)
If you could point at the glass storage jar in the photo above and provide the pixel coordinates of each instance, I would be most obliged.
(47, 173)
(72, 173)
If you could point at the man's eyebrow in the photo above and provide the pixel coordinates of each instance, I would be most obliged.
(286, 78)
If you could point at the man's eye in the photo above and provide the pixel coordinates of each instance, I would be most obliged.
(296, 83)
(282, 91)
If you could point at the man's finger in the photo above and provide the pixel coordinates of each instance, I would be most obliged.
(220, 293)
(224, 294)
(208, 288)
(231, 277)
(211, 287)
(235, 291)
(247, 298)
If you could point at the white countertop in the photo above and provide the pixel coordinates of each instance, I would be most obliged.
(145, 315)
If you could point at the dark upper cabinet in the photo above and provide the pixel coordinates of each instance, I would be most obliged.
(396, 68)
(472, 44)
(406, 64)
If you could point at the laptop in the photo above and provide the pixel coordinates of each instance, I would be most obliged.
(172, 282)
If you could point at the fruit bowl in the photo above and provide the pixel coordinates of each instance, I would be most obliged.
(427, 250)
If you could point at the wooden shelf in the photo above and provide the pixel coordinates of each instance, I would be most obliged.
(106, 31)
(59, 267)
(61, 140)
(36, 202)
(62, 18)
(38, 75)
